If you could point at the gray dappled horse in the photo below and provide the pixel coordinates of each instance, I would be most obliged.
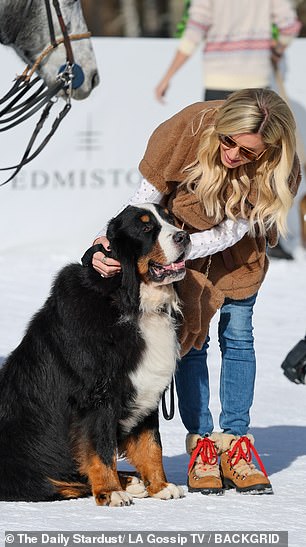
(52, 38)
(24, 26)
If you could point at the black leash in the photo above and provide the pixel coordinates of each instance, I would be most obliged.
(168, 415)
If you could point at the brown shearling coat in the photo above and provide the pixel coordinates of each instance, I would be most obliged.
(237, 272)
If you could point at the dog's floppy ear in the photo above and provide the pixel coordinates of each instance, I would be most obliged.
(130, 284)
(121, 250)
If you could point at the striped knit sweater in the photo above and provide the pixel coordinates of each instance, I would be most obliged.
(237, 39)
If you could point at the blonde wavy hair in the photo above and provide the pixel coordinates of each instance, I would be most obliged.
(220, 189)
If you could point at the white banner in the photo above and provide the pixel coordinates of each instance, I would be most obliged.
(89, 168)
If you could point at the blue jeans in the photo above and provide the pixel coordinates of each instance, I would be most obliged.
(237, 376)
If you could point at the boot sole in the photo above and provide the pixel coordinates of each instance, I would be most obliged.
(207, 491)
(252, 490)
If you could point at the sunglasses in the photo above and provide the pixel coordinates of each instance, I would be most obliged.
(243, 151)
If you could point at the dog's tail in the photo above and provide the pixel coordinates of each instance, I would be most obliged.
(70, 490)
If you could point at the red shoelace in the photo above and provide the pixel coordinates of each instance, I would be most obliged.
(245, 453)
(207, 450)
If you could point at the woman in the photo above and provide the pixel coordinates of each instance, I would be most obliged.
(228, 172)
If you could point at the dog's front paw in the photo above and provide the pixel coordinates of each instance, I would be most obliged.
(169, 492)
(136, 487)
(119, 498)
(116, 498)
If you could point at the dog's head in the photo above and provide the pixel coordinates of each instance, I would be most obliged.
(148, 245)
(145, 235)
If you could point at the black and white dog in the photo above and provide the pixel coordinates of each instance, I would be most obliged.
(85, 382)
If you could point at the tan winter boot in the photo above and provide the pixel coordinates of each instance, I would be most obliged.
(203, 469)
(237, 468)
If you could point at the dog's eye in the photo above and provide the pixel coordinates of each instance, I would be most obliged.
(147, 227)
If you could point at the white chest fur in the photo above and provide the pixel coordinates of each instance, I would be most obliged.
(157, 366)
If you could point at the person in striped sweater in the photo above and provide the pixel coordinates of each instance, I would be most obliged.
(238, 43)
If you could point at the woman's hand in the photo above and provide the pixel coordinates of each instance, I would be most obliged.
(161, 90)
(105, 266)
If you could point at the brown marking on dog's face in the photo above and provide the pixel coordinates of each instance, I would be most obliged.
(156, 255)
(144, 452)
(145, 218)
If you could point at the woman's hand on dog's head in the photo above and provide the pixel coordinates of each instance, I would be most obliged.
(105, 266)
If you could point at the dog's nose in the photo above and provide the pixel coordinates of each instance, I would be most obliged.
(181, 238)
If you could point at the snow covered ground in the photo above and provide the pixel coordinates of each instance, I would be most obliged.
(278, 417)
